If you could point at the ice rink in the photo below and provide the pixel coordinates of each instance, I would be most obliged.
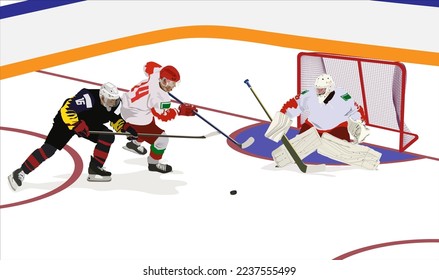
(384, 223)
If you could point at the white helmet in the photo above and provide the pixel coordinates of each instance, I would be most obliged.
(326, 82)
(110, 95)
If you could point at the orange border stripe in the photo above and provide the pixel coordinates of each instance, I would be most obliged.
(221, 32)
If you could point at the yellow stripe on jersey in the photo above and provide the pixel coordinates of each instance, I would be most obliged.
(69, 117)
(117, 126)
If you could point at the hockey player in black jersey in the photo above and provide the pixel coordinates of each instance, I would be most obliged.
(88, 110)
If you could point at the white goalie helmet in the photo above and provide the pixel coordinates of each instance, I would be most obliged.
(110, 96)
(324, 85)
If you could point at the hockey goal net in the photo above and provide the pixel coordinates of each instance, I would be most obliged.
(378, 86)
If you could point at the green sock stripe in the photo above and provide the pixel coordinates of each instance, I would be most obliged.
(157, 151)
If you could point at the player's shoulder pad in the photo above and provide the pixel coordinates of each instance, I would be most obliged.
(87, 97)
(83, 92)
(345, 96)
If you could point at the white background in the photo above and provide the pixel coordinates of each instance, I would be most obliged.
(188, 218)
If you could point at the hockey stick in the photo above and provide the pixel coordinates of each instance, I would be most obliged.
(151, 134)
(247, 143)
(285, 141)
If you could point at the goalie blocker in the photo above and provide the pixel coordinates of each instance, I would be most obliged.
(329, 146)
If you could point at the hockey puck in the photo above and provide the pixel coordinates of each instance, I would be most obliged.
(233, 192)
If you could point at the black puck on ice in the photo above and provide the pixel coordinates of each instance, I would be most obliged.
(233, 192)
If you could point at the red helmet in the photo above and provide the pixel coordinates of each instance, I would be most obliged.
(169, 72)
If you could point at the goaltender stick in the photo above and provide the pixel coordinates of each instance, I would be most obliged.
(88, 110)
(332, 117)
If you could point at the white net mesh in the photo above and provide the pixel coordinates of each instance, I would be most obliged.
(378, 86)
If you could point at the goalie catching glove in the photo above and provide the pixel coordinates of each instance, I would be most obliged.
(187, 109)
(278, 127)
(358, 130)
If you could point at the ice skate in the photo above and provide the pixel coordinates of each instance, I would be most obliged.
(159, 167)
(97, 173)
(16, 179)
(133, 147)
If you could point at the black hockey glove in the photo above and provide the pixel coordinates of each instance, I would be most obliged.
(128, 128)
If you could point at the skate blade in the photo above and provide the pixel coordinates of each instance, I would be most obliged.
(134, 152)
(12, 184)
(315, 168)
(98, 178)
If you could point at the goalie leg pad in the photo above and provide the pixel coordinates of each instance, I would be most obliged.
(304, 144)
(349, 153)
(281, 157)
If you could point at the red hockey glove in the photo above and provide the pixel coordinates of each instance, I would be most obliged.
(187, 109)
(128, 128)
(81, 129)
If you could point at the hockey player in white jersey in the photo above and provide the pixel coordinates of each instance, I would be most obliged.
(331, 118)
(147, 101)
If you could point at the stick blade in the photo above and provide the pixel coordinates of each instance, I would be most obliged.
(315, 168)
(211, 134)
(248, 143)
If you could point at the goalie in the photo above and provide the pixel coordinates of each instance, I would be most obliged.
(332, 117)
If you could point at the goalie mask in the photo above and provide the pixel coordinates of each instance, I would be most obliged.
(324, 86)
(109, 95)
